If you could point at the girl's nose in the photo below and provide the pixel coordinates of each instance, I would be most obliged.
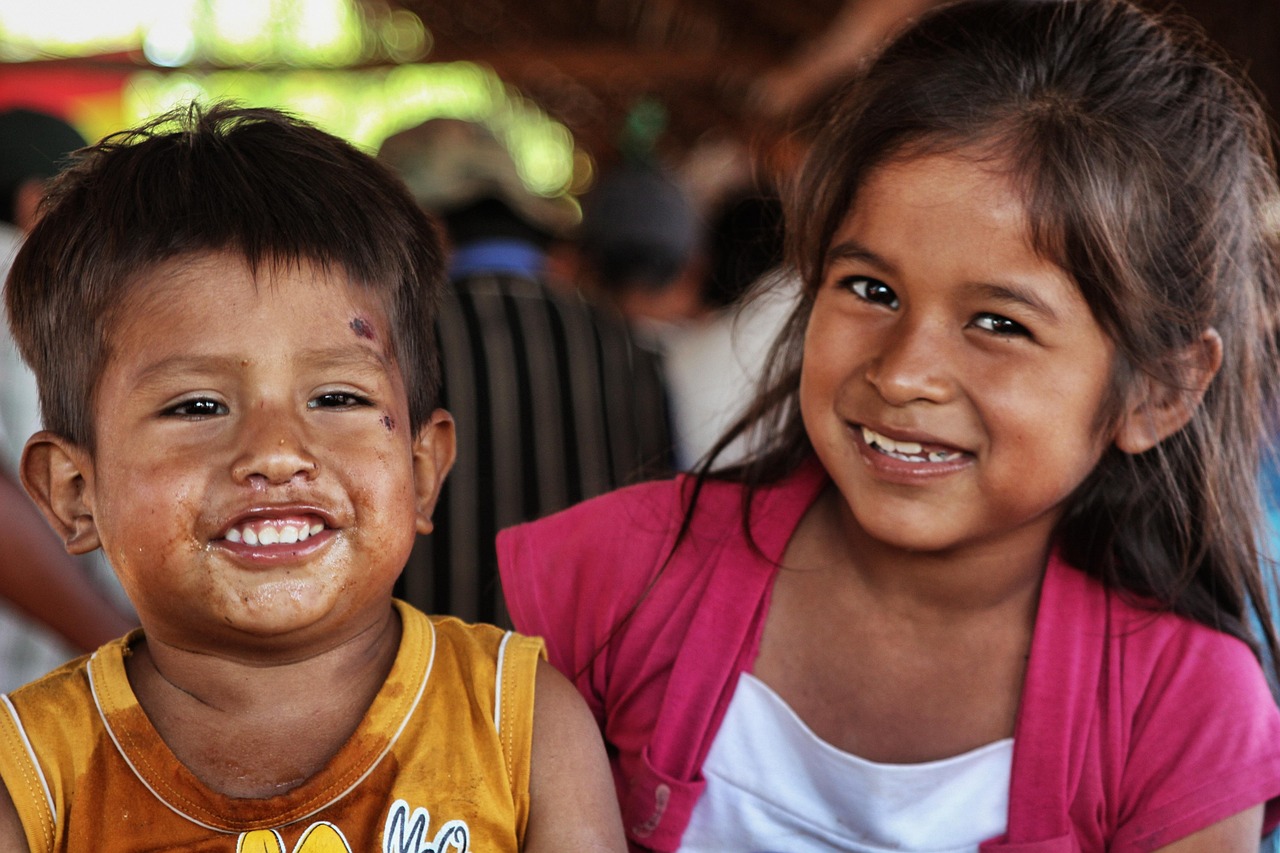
(273, 451)
(912, 364)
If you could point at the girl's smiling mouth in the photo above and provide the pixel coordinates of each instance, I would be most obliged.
(909, 451)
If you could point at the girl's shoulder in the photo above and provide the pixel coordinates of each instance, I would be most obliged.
(618, 536)
(602, 555)
(1131, 620)
(1168, 723)
(1148, 650)
(646, 518)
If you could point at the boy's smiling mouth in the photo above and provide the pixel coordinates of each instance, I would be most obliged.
(907, 451)
(289, 530)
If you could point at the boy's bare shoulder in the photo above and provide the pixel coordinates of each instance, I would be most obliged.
(12, 836)
(572, 800)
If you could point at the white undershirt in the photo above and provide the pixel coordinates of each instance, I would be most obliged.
(773, 786)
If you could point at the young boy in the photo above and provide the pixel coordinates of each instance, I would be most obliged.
(231, 325)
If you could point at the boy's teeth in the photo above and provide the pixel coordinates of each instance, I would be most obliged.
(258, 533)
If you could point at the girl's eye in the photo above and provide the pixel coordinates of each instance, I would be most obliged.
(337, 400)
(1003, 326)
(200, 408)
(872, 290)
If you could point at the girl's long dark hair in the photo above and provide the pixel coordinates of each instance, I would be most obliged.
(1149, 177)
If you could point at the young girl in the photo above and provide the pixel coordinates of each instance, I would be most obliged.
(984, 587)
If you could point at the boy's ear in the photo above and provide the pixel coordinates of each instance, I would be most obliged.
(434, 448)
(58, 474)
(1156, 411)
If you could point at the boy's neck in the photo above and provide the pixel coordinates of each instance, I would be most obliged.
(254, 729)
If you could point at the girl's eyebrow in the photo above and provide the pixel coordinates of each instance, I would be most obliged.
(1004, 292)
(851, 250)
(1017, 294)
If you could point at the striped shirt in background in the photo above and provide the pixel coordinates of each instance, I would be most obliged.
(554, 403)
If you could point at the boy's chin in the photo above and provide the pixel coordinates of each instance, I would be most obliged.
(288, 624)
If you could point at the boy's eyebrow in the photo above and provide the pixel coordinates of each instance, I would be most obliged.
(346, 355)
(1011, 293)
(341, 356)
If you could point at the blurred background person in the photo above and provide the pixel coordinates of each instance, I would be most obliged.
(32, 147)
(640, 246)
(554, 402)
(695, 286)
(54, 605)
(713, 361)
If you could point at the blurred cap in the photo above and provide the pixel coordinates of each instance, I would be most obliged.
(450, 163)
(639, 217)
(32, 145)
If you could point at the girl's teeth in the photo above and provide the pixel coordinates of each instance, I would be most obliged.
(907, 451)
(906, 448)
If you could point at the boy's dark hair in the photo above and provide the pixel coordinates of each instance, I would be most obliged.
(1148, 176)
(254, 182)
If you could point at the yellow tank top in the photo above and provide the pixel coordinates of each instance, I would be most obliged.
(440, 763)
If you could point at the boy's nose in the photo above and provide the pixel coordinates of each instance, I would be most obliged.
(913, 363)
(274, 453)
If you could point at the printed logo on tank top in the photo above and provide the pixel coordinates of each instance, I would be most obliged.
(406, 831)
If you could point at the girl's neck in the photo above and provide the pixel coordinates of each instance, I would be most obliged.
(939, 642)
(944, 585)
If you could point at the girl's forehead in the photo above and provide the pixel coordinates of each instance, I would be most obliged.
(986, 163)
(921, 184)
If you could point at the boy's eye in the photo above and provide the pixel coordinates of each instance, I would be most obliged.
(201, 408)
(998, 325)
(872, 290)
(337, 400)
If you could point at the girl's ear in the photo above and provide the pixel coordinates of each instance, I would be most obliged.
(58, 475)
(1157, 410)
(434, 448)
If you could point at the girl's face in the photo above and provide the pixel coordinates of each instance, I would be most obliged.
(953, 378)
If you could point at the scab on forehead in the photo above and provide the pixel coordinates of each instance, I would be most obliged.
(363, 328)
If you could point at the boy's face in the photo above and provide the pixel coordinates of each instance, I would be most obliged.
(255, 483)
